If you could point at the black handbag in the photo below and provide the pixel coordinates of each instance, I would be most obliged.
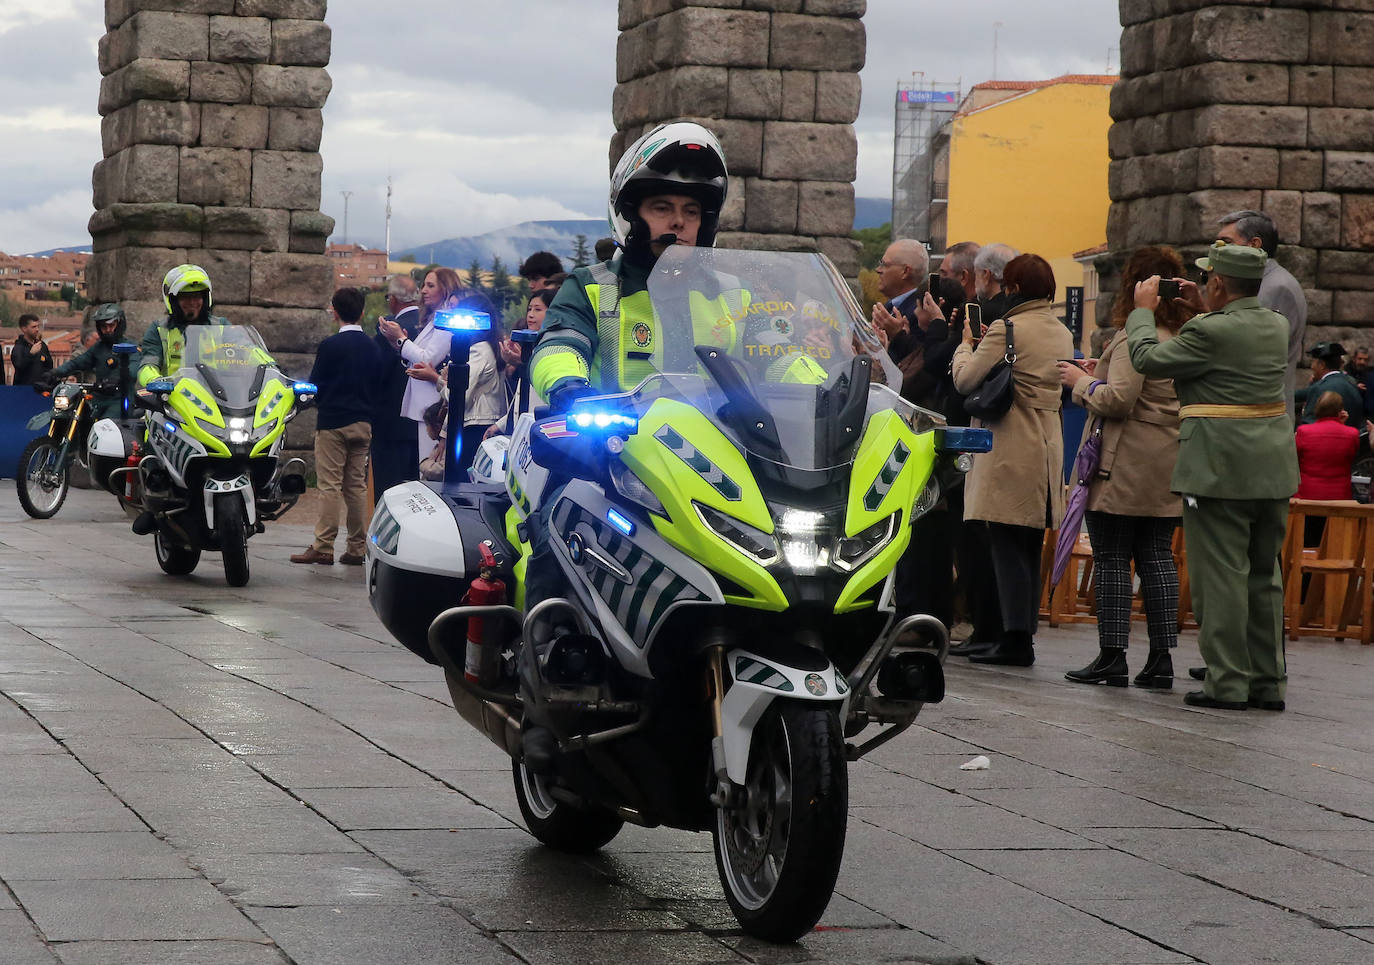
(992, 398)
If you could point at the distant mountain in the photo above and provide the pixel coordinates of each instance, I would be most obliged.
(73, 250)
(872, 212)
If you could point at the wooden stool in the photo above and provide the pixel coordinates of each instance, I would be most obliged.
(1074, 599)
(1339, 600)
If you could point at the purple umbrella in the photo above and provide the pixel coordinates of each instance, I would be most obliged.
(1084, 469)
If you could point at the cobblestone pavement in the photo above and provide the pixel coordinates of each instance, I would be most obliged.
(195, 774)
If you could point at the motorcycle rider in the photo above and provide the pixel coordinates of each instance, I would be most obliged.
(187, 293)
(101, 359)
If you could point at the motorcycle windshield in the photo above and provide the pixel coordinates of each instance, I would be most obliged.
(773, 348)
(229, 359)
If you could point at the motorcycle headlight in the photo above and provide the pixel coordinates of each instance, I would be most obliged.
(928, 498)
(634, 489)
(61, 403)
(752, 542)
(805, 537)
(852, 552)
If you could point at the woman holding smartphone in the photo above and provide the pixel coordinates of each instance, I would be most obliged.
(429, 346)
(1131, 513)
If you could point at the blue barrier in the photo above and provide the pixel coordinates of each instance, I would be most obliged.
(18, 404)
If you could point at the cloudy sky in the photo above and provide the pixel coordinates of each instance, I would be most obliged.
(484, 114)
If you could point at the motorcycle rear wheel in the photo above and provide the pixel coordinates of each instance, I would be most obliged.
(558, 824)
(42, 480)
(233, 538)
(778, 851)
(175, 559)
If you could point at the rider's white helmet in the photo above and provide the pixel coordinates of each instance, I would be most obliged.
(677, 158)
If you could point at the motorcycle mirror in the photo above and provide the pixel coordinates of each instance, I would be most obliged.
(125, 348)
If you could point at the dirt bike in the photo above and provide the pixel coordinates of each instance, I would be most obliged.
(209, 473)
(727, 533)
(43, 476)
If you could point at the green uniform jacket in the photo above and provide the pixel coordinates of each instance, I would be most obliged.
(161, 349)
(101, 360)
(617, 353)
(1237, 356)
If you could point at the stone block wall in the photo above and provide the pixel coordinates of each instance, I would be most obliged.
(211, 128)
(1229, 105)
(778, 83)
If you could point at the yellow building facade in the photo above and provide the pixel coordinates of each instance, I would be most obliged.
(1027, 165)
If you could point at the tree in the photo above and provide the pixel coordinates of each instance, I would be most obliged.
(475, 276)
(373, 309)
(582, 252)
(409, 256)
(875, 242)
(868, 283)
(501, 288)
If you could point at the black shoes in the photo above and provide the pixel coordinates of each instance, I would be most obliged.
(1108, 668)
(970, 647)
(144, 523)
(1276, 705)
(1158, 672)
(1197, 673)
(1196, 698)
(1013, 650)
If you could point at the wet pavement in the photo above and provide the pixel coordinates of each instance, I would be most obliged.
(191, 773)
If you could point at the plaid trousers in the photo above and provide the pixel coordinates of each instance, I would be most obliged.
(1116, 541)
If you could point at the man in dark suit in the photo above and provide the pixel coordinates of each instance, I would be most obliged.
(30, 356)
(394, 457)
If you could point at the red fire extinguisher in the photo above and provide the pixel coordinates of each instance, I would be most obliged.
(484, 641)
(130, 477)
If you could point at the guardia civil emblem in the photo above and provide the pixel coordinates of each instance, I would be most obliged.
(642, 334)
(782, 326)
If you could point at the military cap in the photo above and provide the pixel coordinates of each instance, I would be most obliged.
(1327, 350)
(1234, 261)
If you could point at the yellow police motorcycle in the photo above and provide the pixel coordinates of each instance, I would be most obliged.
(209, 473)
(727, 533)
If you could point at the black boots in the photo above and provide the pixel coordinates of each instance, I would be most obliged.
(1108, 668)
(1013, 650)
(1158, 671)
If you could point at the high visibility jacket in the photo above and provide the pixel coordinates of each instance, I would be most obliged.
(162, 347)
(602, 328)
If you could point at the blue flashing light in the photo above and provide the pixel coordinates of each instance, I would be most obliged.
(463, 320)
(621, 523)
(306, 388)
(170, 427)
(963, 439)
(612, 421)
(161, 385)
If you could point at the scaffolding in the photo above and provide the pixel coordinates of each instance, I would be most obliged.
(919, 188)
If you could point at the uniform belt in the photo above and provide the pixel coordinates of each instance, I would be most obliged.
(1266, 410)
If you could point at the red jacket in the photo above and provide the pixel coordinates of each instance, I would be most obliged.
(1326, 450)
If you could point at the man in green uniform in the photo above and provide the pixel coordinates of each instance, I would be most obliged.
(1237, 467)
(108, 376)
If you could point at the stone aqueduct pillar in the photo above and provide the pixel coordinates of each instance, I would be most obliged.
(778, 82)
(1223, 106)
(211, 128)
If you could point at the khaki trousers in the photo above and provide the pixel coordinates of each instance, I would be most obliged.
(1237, 581)
(341, 471)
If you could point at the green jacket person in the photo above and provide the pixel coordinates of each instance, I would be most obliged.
(101, 359)
(187, 293)
(1237, 467)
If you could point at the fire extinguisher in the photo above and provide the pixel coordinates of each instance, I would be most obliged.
(484, 641)
(130, 477)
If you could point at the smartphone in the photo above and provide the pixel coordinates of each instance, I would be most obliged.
(974, 313)
(1168, 288)
(933, 285)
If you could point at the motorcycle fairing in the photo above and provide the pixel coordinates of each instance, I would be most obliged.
(757, 682)
(192, 404)
(525, 478)
(633, 583)
(274, 405)
(686, 461)
(106, 439)
(176, 445)
(412, 525)
(242, 484)
(892, 466)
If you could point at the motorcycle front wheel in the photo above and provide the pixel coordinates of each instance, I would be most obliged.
(559, 824)
(778, 849)
(42, 479)
(232, 527)
(175, 559)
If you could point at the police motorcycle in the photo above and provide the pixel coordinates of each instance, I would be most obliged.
(43, 476)
(728, 532)
(208, 475)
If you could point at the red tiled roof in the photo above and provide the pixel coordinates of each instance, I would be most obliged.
(1094, 250)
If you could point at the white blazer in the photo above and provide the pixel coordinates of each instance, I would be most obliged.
(430, 345)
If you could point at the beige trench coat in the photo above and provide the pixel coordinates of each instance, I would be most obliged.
(1021, 481)
(1139, 434)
